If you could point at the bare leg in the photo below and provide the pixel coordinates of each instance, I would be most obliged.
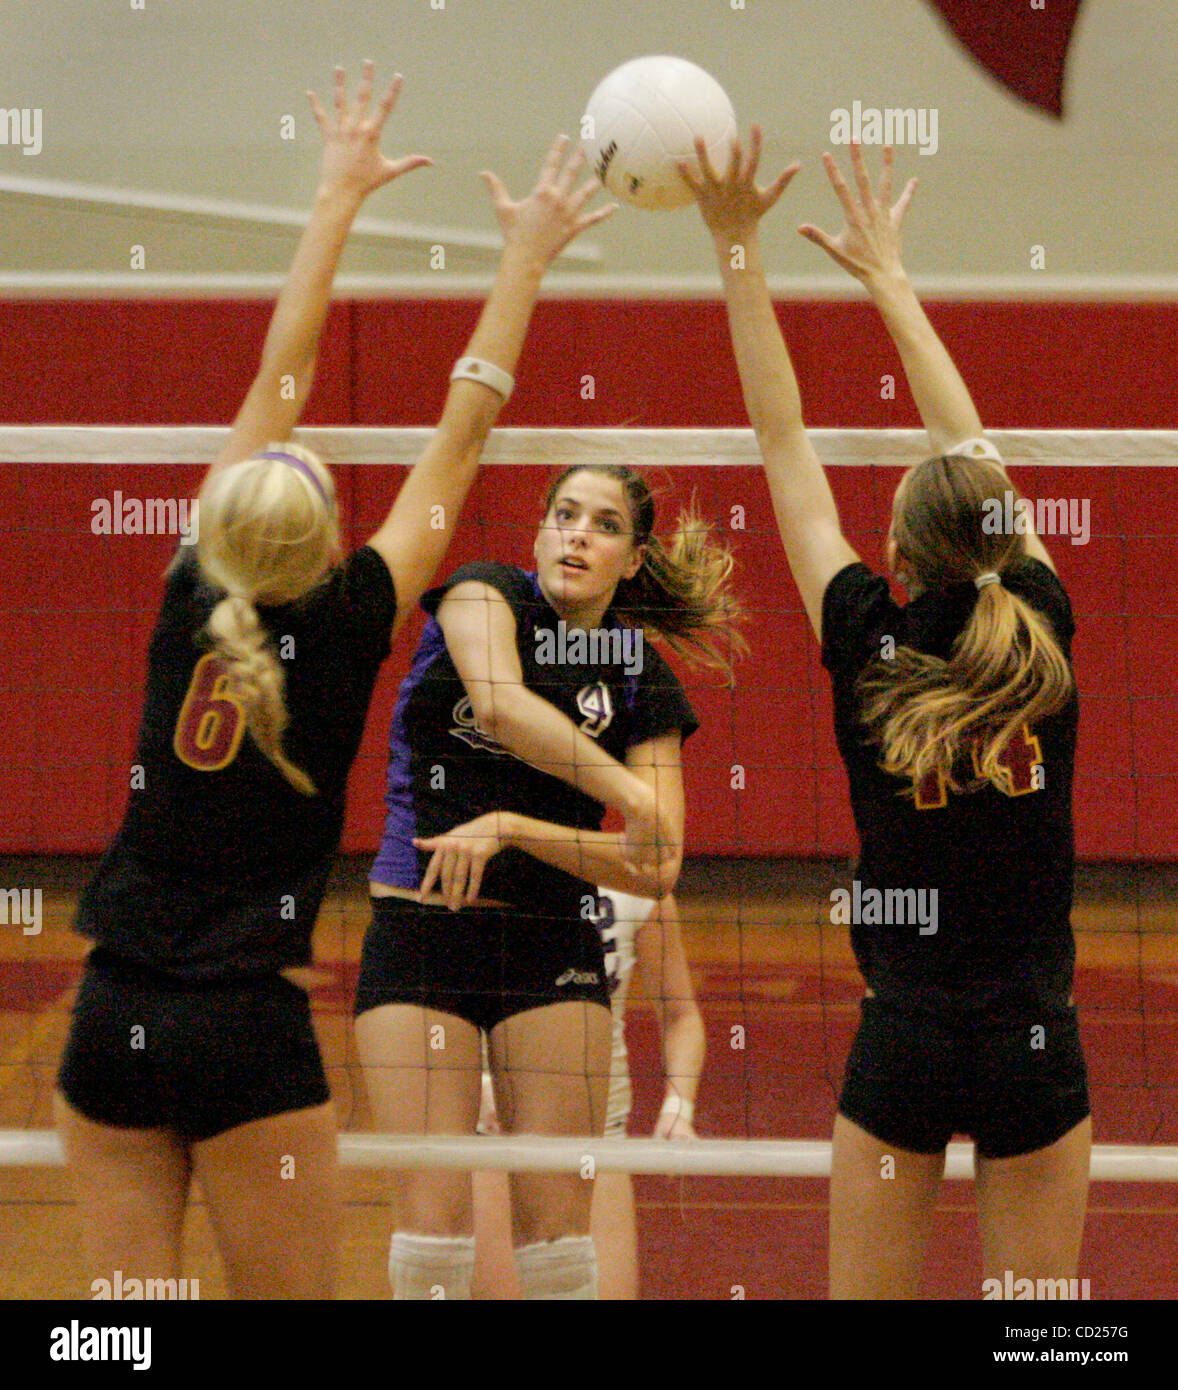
(424, 1076)
(494, 1268)
(551, 1069)
(879, 1224)
(615, 1236)
(1031, 1209)
(272, 1188)
(132, 1187)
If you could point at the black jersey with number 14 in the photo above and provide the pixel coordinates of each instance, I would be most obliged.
(999, 861)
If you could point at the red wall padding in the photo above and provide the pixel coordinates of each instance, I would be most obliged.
(76, 609)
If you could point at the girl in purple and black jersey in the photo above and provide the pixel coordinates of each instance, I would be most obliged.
(535, 700)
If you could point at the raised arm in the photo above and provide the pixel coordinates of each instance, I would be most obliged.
(480, 632)
(868, 247)
(732, 206)
(414, 536)
(352, 168)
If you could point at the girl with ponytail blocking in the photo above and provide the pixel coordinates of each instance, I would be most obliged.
(955, 715)
(192, 1051)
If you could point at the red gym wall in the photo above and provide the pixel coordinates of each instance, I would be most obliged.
(77, 609)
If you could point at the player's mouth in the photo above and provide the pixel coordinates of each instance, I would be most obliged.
(570, 562)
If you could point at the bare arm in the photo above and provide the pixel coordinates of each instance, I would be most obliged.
(868, 248)
(419, 527)
(352, 168)
(732, 206)
(666, 984)
(460, 856)
(480, 632)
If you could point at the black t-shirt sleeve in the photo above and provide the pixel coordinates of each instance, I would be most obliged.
(367, 599)
(1040, 586)
(511, 582)
(661, 704)
(857, 609)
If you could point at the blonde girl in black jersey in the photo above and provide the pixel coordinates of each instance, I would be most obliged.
(191, 1052)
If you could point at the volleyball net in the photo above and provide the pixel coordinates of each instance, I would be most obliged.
(87, 532)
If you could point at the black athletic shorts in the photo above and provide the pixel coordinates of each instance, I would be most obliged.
(149, 1051)
(480, 964)
(914, 1079)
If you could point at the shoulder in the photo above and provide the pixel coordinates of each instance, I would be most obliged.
(359, 592)
(856, 607)
(1040, 586)
(658, 700)
(515, 584)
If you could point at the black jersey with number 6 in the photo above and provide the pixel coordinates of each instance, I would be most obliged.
(443, 771)
(1000, 862)
(220, 865)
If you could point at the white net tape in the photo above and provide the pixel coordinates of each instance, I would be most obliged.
(551, 448)
(749, 1158)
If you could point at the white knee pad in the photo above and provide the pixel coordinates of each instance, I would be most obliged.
(430, 1266)
(564, 1268)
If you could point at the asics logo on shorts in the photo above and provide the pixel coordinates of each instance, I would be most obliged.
(577, 977)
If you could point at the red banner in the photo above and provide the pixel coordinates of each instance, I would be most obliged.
(1023, 45)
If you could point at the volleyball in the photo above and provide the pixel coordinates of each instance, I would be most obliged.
(644, 117)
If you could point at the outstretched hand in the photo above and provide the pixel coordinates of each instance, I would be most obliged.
(869, 245)
(551, 215)
(352, 160)
(731, 203)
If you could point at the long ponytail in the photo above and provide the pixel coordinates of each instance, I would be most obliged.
(956, 717)
(269, 531)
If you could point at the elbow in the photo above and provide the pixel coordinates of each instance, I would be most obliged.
(496, 712)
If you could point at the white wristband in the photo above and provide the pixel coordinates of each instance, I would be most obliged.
(475, 369)
(679, 1107)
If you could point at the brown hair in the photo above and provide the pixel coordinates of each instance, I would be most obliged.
(267, 536)
(682, 592)
(1005, 668)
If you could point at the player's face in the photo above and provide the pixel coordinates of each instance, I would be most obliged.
(585, 546)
